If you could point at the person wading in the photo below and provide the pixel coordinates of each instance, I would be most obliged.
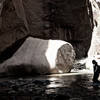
(96, 68)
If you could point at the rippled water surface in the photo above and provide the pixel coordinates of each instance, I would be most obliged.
(55, 87)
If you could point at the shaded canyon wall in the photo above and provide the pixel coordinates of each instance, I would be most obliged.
(69, 20)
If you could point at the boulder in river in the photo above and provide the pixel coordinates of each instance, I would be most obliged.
(38, 56)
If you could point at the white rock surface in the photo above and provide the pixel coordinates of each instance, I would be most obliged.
(41, 56)
(94, 51)
(95, 43)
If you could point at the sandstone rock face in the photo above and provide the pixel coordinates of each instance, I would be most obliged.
(95, 44)
(94, 51)
(68, 20)
(37, 56)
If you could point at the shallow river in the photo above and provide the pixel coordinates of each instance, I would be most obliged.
(72, 86)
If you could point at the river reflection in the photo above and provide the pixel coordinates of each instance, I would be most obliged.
(66, 86)
(68, 82)
(61, 80)
(55, 82)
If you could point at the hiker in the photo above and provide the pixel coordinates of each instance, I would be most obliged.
(96, 68)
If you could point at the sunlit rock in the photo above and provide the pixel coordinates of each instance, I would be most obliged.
(95, 43)
(94, 51)
(39, 56)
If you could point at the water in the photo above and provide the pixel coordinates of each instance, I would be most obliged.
(72, 86)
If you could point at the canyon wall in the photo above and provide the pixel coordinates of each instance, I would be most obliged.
(68, 20)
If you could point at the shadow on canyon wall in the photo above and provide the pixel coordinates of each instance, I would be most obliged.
(67, 20)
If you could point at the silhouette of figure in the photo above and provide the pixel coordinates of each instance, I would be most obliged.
(96, 68)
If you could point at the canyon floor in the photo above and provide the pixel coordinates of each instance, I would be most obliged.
(76, 85)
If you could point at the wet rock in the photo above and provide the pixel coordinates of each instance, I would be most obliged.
(3, 84)
(41, 82)
(79, 66)
(15, 87)
(75, 99)
(12, 92)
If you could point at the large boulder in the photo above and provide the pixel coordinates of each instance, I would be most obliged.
(68, 20)
(41, 57)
